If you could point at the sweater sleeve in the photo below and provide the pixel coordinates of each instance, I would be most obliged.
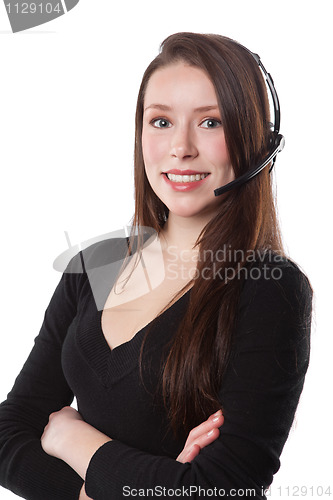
(259, 395)
(39, 390)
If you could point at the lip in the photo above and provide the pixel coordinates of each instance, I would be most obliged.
(184, 186)
(183, 172)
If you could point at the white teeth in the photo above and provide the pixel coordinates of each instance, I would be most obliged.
(186, 178)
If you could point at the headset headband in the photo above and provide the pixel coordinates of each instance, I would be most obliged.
(270, 84)
(278, 139)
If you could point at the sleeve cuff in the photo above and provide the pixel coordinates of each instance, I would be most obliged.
(116, 468)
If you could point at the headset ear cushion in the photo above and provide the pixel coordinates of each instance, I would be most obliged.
(279, 142)
(276, 141)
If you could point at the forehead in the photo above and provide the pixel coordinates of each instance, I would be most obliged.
(179, 83)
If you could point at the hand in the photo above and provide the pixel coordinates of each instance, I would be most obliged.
(68, 437)
(201, 436)
(59, 429)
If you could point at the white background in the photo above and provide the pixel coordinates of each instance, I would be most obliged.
(67, 98)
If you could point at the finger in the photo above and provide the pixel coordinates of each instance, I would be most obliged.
(208, 438)
(216, 414)
(202, 440)
(191, 451)
(187, 455)
(214, 421)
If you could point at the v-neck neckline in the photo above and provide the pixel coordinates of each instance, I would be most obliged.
(138, 334)
(111, 365)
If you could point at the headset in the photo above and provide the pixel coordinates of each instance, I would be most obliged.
(277, 141)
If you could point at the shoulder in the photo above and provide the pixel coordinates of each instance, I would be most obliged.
(86, 269)
(109, 248)
(276, 297)
(275, 278)
(104, 252)
(95, 268)
(93, 255)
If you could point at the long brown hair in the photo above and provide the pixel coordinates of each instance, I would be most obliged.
(245, 221)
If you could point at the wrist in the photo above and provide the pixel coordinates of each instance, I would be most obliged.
(79, 445)
(69, 438)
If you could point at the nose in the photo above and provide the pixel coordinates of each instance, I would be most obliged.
(183, 144)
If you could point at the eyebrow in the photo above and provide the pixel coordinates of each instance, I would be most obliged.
(163, 107)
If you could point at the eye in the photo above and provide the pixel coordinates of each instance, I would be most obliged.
(160, 123)
(211, 123)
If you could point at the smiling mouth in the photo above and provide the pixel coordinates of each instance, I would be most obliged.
(186, 178)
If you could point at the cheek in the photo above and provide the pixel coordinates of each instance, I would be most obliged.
(218, 151)
(219, 156)
(153, 149)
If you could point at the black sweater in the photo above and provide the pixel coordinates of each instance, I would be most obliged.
(259, 395)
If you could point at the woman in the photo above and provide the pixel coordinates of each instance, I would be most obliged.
(220, 345)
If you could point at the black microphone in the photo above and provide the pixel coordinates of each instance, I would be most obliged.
(278, 146)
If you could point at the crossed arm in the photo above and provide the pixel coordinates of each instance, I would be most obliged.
(260, 394)
(68, 437)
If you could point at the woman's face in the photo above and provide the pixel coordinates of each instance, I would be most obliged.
(183, 141)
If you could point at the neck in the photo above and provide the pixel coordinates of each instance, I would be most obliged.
(182, 232)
